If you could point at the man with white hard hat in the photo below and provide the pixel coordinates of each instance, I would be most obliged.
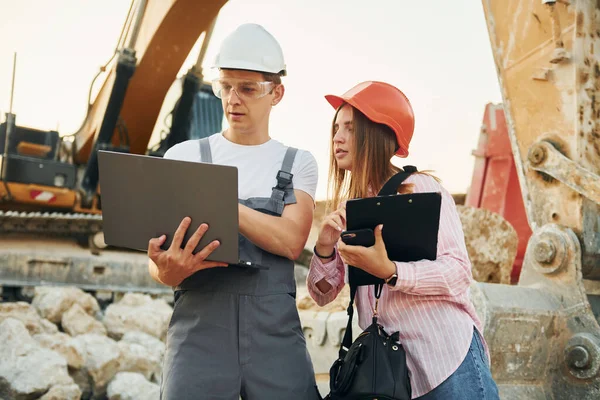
(235, 332)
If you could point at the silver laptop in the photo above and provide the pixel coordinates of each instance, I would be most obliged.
(144, 197)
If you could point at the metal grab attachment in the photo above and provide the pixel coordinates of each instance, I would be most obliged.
(544, 157)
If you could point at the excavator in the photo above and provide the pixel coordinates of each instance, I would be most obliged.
(543, 330)
(50, 199)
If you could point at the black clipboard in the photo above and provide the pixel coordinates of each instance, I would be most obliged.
(410, 227)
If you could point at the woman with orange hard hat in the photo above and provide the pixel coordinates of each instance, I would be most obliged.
(427, 302)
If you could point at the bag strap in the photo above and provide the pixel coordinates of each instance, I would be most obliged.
(390, 188)
(347, 340)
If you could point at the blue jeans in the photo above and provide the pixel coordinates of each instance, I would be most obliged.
(471, 381)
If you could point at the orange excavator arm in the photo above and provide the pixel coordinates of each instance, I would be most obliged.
(159, 37)
(167, 31)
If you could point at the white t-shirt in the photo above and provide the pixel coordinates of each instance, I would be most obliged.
(257, 165)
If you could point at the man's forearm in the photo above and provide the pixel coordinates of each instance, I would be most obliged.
(277, 235)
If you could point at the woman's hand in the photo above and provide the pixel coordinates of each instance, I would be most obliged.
(373, 260)
(331, 229)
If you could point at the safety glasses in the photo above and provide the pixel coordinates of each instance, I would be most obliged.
(245, 89)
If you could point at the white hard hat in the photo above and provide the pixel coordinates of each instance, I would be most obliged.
(251, 47)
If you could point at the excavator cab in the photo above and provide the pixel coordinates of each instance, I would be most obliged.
(198, 113)
(31, 158)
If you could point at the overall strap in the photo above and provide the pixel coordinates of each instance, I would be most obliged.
(205, 153)
(284, 179)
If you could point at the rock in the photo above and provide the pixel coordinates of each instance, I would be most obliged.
(480, 303)
(27, 370)
(132, 386)
(136, 358)
(48, 327)
(53, 302)
(84, 381)
(151, 343)
(62, 344)
(28, 316)
(101, 360)
(63, 392)
(154, 350)
(77, 322)
(138, 312)
(491, 243)
(340, 303)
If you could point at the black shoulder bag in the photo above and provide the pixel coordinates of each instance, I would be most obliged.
(374, 365)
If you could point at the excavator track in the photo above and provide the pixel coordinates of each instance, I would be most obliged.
(50, 223)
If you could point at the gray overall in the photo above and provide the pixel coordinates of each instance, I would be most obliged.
(236, 331)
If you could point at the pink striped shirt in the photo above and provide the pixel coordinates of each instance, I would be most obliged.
(429, 305)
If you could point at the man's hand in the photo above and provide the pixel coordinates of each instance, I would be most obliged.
(176, 264)
(373, 260)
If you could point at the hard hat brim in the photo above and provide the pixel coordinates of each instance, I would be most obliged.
(249, 66)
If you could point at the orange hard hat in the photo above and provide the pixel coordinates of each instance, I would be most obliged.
(384, 104)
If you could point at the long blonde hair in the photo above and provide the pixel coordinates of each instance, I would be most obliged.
(374, 146)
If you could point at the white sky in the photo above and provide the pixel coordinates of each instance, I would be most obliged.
(436, 51)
